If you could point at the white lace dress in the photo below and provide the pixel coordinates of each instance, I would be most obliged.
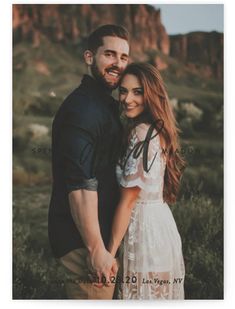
(153, 265)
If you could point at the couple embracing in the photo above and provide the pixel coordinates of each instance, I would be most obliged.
(109, 221)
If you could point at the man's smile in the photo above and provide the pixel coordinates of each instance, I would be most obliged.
(113, 73)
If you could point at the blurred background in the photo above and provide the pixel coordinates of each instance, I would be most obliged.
(186, 43)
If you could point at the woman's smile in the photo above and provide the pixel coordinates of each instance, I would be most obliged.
(131, 96)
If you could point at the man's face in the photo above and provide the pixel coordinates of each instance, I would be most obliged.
(110, 60)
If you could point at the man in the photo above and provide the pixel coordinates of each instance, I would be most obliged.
(86, 137)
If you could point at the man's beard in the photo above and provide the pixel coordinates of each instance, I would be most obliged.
(100, 77)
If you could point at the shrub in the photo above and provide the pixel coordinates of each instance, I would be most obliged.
(35, 276)
(200, 223)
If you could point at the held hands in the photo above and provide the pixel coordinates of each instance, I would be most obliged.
(102, 264)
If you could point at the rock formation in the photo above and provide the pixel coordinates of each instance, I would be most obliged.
(71, 24)
(200, 48)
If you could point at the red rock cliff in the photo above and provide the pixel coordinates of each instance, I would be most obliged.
(71, 22)
(200, 48)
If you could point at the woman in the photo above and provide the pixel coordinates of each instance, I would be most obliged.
(153, 266)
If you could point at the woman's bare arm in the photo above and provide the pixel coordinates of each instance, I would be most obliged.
(122, 217)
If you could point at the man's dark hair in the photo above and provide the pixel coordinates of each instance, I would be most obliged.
(95, 39)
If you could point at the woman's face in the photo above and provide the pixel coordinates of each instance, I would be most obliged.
(131, 96)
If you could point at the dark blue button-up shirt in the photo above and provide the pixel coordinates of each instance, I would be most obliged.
(86, 138)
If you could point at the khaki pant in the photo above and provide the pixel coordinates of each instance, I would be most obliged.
(77, 283)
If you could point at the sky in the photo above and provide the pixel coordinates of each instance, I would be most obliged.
(184, 18)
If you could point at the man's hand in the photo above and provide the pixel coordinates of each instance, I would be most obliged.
(102, 263)
(84, 210)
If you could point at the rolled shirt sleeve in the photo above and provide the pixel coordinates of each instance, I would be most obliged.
(79, 148)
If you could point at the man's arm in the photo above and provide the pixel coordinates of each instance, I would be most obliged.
(78, 146)
(84, 210)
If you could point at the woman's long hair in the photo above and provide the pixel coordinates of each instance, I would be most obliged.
(157, 107)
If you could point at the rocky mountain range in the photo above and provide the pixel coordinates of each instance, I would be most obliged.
(71, 24)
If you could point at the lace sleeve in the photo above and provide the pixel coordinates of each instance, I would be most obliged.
(143, 165)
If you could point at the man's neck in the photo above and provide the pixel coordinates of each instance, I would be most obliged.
(106, 89)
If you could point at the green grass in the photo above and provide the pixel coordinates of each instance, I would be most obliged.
(29, 85)
(37, 275)
(200, 223)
